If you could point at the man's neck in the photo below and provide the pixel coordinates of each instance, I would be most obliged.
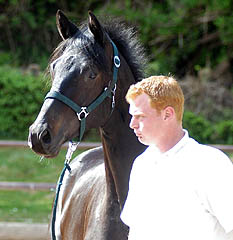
(169, 140)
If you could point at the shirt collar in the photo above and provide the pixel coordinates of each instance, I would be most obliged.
(158, 156)
(178, 146)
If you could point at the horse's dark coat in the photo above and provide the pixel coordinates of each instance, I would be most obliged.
(94, 193)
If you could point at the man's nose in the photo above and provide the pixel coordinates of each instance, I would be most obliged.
(133, 123)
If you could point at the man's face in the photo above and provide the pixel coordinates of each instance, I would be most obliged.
(146, 121)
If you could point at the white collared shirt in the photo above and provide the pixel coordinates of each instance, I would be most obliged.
(185, 193)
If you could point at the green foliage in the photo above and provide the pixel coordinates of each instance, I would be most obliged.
(21, 96)
(5, 58)
(224, 131)
(173, 31)
(180, 34)
(199, 128)
(28, 28)
(206, 132)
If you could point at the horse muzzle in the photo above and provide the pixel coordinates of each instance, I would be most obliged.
(40, 140)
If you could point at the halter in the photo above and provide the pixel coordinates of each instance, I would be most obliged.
(82, 113)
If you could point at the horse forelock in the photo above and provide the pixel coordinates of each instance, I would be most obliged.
(123, 36)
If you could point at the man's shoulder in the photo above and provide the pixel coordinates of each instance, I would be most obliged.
(203, 149)
(205, 154)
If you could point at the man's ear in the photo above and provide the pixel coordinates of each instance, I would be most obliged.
(168, 113)
(65, 28)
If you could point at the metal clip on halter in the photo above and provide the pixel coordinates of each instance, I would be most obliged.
(113, 96)
(70, 151)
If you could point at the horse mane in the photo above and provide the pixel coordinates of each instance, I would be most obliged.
(128, 44)
(126, 40)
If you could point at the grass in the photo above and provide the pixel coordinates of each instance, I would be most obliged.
(22, 165)
(22, 206)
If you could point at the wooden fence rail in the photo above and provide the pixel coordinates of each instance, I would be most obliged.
(82, 145)
(29, 186)
(88, 145)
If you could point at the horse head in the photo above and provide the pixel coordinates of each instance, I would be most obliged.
(81, 69)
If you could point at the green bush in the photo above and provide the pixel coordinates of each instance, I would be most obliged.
(224, 131)
(21, 96)
(199, 128)
(206, 132)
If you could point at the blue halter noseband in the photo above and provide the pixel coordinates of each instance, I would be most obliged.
(82, 113)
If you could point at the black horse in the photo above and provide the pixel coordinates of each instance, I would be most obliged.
(83, 69)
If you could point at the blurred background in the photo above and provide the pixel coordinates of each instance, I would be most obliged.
(189, 39)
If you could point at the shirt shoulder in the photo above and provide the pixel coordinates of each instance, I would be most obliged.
(198, 150)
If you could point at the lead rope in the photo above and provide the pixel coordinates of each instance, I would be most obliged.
(72, 147)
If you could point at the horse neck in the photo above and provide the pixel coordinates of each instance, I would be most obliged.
(120, 144)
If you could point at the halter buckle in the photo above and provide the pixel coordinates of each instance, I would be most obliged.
(117, 61)
(83, 113)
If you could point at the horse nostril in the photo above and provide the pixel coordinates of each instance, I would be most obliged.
(45, 137)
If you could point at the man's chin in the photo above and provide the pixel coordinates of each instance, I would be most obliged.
(142, 140)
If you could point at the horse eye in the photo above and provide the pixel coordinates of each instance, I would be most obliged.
(92, 75)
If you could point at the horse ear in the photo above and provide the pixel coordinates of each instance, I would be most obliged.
(96, 29)
(65, 28)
